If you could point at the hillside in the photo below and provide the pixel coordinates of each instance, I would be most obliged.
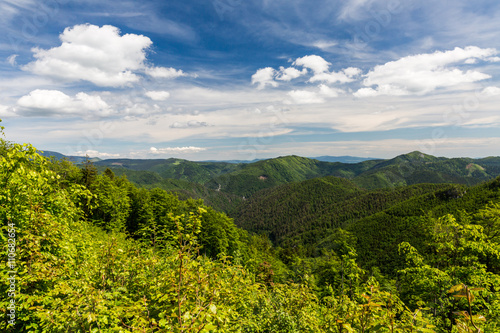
(301, 213)
(283, 170)
(416, 168)
(95, 253)
(242, 180)
(173, 168)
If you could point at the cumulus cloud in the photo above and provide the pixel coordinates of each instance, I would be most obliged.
(190, 149)
(491, 91)
(100, 55)
(424, 73)
(328, 91)
(319, 67)
(332, 77)
(305, 97)
(43, 103)
(264, 77)
(290, 73)
(5, 111)
(95, 54)
(316, 63)
(158, 95)
(352, 71)
(164, 72)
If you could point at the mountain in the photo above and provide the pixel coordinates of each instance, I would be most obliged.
(173, 168)
(306, 217)
(253, 177)
(417, 168)
(235, 161)
(302, 212)
(75, 159)
(225, 185)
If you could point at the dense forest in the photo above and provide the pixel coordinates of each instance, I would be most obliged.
(289, 245)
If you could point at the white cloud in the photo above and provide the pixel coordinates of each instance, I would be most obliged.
(95, 153)
(95, 54)
(12, 60)
(5, 111)
(264, 77)
(352, 71)
(290, 73)
(167, 150)
(328, 91)
(491, 91)
(316, 63)
(43, 103)
(384, 89)
(305, 97)
(319, 66)
(332, 77)
(321, 73)
(164, 72)
(423, 73)
(351, 9)
(189, 124)
(324, 44)
(158, 95)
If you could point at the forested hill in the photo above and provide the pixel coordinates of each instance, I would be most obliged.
(306, 215)
(245, 179)
(304, 211)
(88, 251)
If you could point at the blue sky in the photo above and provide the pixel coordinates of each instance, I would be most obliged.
(233, 79)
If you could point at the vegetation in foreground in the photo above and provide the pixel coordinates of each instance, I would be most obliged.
(93, 253)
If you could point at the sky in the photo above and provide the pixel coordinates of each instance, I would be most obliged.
(234, 79)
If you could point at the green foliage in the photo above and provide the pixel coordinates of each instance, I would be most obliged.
(96, 254)
(111, 204)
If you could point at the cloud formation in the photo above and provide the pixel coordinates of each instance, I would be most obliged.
(424, 73)
(43, 103)
(164, 72)
(491, 91)
(317, 65)
(95, 54)
(190, 149)
(189, 124)
(264, 77)
(95, 153)
(100, 55)
(158, 95)
(305, 97)
(290, 73)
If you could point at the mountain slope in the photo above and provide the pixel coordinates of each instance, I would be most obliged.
(282, 170)
(197, 172)
(417, 168)
(301, 212)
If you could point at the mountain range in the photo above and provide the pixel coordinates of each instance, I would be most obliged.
(225, 185)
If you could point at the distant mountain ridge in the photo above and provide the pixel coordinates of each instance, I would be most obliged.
(224, 184)
(326, 158)
(75, 159)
